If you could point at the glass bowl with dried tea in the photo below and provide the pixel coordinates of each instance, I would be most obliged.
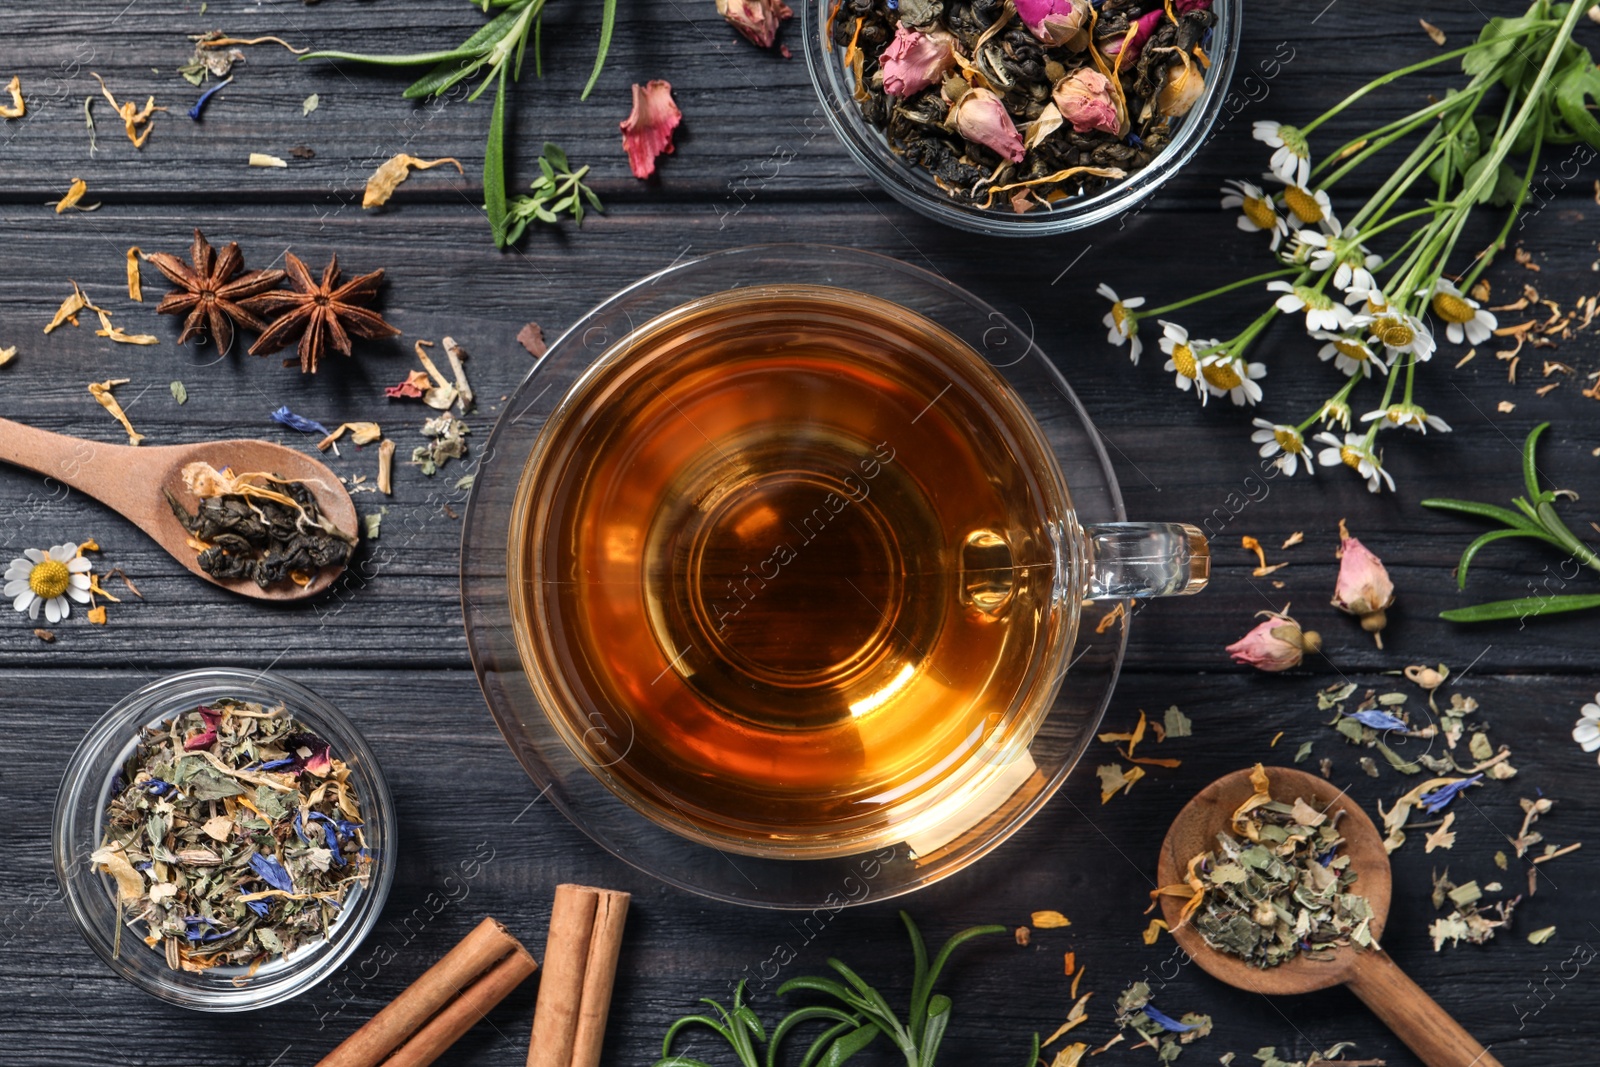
(1021, 118)
(224, 839)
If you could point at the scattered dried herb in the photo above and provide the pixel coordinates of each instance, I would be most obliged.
(18, 106)
(262, 159)
(259, 526)
(212, 292)
(1156, 1028)
(133, 118)
(361, 433)
(135, 282)
(558, 190)
(234, 836)
(180, 392)
(496, 50)
(101, 391)
(309, 104)
(1277, 886)
(447, 440)
(458, 367)
(383, 182)
(73, 200)
(1471, 919)
(373, 521)
(68, 311)
(1268, 1057)
(7, 355)
(1035, 109)
(386, 449)
(284, 417)
(531, 337)
(321, 315)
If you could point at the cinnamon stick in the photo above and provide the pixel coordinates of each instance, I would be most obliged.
(441, 1005)
(569, 1019)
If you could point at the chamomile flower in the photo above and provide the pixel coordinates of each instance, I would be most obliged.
(1409, 416)
(1351, 354)
(46, 579)
(1321, 311)
(1285, 442)
(1292, 160)
(1587, 732)
(1229, 375)
(1121, 324)
(1465, 319)
(1309, 207)
(1181, 358)
(1334, 412)
(1257, 212)
(1400, 333)
(1352, 264)
(1353, 452)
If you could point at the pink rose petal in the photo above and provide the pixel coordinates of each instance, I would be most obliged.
(647, 132)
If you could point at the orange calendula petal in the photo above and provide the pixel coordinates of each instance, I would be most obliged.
(18, 106)
(135, 283)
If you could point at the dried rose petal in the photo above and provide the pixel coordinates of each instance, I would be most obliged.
(1055, 22)
(980, 116)
(758, 20)
(913, 61)
(1084, 99)
(1364, 588)
(647, 132)
(1276, 644)
(205, 737)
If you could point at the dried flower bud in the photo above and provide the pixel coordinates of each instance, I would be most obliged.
(1055, 22)
(1085, 100)
(758, 20)
(913, 61)
(1142, 29)
(1275, 644)
(981, 116)
(1363, 588)
(1427, 677)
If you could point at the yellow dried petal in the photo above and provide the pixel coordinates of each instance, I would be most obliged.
(114, 861)
(116, 333)
(1153, 931)
(101, 391)
(7, 355)
(74, 194)
(19, 107)
(381, 186)
(1049, 920)
(135, 286)
(68, 311)
(261, 159)
(97, 614)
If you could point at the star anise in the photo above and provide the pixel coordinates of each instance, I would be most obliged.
(320, 315)
(212, 292)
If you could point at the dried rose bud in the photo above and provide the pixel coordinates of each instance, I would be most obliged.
(758, 20)
(980, 116)
(1275, 644)
(1055, 22)
(913, 61)
(1084, 99)
(647, 131)
(1363, 589)
(1142, 29)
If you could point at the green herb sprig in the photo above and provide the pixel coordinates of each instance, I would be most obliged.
(1534, 518)
(855, 1019)
(558, 190)
(497, 51)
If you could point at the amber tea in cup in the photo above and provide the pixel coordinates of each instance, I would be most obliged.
(793, 572)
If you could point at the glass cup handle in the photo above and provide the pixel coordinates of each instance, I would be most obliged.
(1145, 559)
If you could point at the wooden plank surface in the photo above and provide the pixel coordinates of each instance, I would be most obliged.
(754, 164)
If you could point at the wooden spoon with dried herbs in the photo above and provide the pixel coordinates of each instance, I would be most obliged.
(1245, 853)
(259, 519)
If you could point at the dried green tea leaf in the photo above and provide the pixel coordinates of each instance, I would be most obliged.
(1302, 753)
(1479, 746)
(1177, 723)
(373, 520)
(1539, 937)
(179, 392)
(309, 104)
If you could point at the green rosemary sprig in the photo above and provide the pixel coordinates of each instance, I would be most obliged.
(496, 50)
(1535, 518)
(558, 190)
(857, 1017)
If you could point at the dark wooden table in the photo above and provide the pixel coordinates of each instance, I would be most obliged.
(754, 163)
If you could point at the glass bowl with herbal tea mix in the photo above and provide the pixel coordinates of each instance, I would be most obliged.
(224, 839)
(1021, 117)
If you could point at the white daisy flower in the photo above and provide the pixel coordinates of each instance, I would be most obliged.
(1587, 732)
(1182, 362)
(1285, 442)
(1120, 324)
(1409, 416)
(46, 579)
(1464, 317)
(1353, 452)
(1352, 264)
(1334, 412)
(1308, 207)
(1321, 311)
(1400, 333)
(1350, 354)
(1257, 212)
(1230, 376)
(1373, 302)
(1292, 160)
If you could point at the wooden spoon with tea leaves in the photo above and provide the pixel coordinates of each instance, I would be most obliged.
(1399, 1002)
(135, 482)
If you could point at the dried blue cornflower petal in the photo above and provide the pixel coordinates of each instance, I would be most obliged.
(1166, 1021)
(1436, 801)
(1379, 720)
(299, 422)
(277, 764)
(194, 112)
(272, 872)
(260, 907)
